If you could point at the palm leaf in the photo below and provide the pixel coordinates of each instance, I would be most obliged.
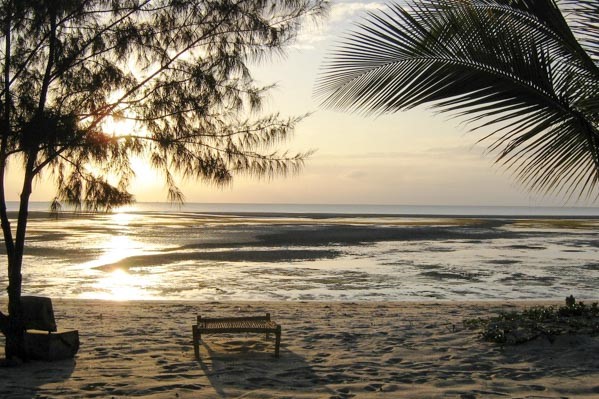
(512, 68)
(583, 17)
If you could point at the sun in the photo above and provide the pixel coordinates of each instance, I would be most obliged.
(124, 126)
(123, 120)
(120, 127)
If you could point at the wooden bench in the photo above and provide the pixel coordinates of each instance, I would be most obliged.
(254, 324)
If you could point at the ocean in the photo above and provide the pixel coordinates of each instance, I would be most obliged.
(345, 209)
(156, 251)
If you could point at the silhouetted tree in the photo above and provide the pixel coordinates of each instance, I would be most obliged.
(527, 71)
(178, 69)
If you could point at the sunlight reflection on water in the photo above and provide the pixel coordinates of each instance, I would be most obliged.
(120, 247)
(121, 286)
(172, 256)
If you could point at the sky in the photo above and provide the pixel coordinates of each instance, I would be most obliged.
(408, 158)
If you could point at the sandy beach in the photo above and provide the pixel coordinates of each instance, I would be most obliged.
(329, 350)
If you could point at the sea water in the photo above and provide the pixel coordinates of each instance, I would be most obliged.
(312, 252)
(351, 209)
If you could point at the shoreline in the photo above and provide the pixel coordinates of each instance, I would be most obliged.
(309, 215)
(411, 349)
(519, 302)
(369, 210)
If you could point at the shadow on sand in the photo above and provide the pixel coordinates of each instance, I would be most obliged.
(566, 356)
(247, 364)
(23, 381)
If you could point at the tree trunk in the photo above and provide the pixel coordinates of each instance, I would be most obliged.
(15, 333)
(15, 326)
(3, 323)
(12, 326)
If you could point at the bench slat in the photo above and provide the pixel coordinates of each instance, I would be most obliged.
(227, 319)
(253, 324)
(236, 324)
(236, 330)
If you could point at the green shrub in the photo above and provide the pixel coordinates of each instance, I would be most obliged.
(548, 321)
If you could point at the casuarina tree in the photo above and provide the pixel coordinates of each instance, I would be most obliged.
(177, 70)
(524, 73)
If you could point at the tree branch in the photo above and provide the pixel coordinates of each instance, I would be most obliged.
(6, 129)
(48, 73)
(164, 66)
(69, 65)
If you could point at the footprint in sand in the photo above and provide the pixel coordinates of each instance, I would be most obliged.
(393, 360)
(320, 358)
(373, 387)
(343, 393)
(93, 386)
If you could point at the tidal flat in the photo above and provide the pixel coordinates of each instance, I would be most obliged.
(279, 256)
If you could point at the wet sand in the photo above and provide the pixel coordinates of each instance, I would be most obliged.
(326, 257)
(329, 350)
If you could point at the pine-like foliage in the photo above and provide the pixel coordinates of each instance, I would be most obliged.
(527, 71)
(178, 69)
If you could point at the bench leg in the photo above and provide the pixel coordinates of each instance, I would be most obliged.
(278, 341)
(196, 341)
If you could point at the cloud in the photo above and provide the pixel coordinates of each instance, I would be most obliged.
(310, 39)
(312, 36)
(356, 175)
(364, 156)
(345, 10)
(450, 152)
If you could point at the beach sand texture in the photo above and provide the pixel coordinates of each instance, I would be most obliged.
(329, 350)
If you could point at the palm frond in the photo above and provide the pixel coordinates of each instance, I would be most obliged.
(511, 67)
(583, 17)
